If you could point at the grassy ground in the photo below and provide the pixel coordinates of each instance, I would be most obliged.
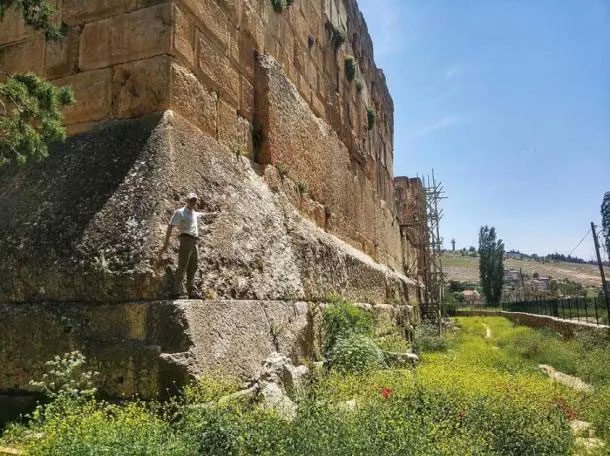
(466, 269)
(476, 392)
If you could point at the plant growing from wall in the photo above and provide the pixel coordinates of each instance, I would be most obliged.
(371, 117)
(301, 188)
(282, 169)
(37, 14)
(281, 5)
(339, 35)
(350, 67)
(359, 85)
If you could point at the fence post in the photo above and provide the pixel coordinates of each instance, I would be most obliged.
(596, 312)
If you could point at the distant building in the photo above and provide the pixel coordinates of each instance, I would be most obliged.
(513, 255)
(472, 296)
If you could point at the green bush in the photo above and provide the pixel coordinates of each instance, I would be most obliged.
(356, 353)
(339, 36)
(341, 318)
(279, 5)
(371, 117)
(428, 339)
(350, 67)
(359, 85)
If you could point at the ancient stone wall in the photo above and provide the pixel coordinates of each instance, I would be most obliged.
(411, 213)
(128, 58)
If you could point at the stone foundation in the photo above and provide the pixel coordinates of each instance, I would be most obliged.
(151, 348)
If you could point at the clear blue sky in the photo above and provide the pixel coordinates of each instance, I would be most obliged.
(509, 102)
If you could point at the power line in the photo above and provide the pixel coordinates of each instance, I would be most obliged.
(581, 241)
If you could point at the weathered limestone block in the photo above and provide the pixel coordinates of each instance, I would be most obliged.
(61, 56)
(92, 90)
(131, 36)
(141, 87)
(97, 234)
(325, 165)
(217, 71)
(23, 56)
(190, 99)
(211, 19)
(145, 348)
(183, 38)
(13, 27)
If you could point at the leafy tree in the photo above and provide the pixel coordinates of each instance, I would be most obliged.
(491, 264)
(38, 14)
(606, 221)
(30, 117)
(30, 107)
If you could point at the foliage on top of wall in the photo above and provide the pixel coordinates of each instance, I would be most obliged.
(371, 116)
(350, 67)
(339, 35)
(37, 14)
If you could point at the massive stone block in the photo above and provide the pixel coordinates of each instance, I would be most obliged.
(87, 224)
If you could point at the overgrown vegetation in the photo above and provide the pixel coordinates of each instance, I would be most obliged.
(342, 319)
(371, 117)
(30, 117)
(359, 85)
(350, 67)
(30, 108)
(38, 14)
(469, 399)
(491, 265)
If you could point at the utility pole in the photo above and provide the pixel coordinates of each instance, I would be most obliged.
(601, 268)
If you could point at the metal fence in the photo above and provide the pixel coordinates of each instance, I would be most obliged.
(591, 310)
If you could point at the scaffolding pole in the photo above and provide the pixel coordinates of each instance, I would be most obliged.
(434, 277)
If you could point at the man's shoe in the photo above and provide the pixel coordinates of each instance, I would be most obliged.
(195, 295)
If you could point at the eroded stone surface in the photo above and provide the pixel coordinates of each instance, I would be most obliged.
(87, 225)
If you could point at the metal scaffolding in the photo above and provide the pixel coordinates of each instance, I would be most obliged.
(433, 265)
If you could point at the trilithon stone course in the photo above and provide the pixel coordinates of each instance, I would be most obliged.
(249, 108)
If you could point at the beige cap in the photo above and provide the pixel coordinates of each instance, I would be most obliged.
(191, 196)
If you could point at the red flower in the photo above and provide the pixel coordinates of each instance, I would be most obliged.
(461, 414)
(386, 392)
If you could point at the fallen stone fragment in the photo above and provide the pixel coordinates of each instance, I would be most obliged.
(565, 379)
(394, 359)
(274, 397)
(240, 397)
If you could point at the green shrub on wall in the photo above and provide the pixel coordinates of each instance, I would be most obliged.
(341, 319)
(371, 116)
(350, 67)
(339, 35)
(279, 5)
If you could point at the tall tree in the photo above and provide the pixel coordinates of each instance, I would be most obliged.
(491, 264)
(30, 107)
(606, 222)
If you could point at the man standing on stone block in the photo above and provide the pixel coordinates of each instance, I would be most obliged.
(186, 219)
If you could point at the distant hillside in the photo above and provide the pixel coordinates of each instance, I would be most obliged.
(466, 269)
